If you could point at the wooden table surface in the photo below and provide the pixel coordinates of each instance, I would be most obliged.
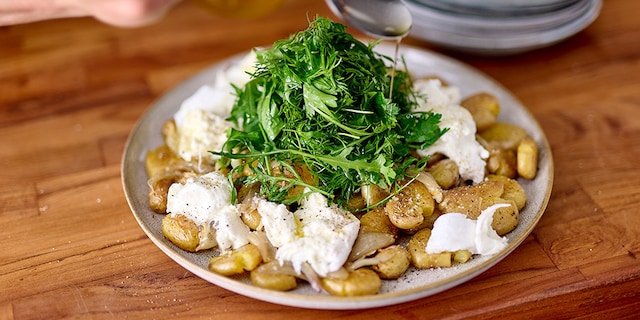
(71, 91)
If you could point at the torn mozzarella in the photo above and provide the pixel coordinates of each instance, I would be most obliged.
(200, 121)
(316, 233)
(454, 231)
(201, 132)
(206, 200)
(218, 97)
(279, 223)
(459, 143)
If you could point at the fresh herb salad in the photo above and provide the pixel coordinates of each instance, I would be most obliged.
(301, 164)
(320, 99)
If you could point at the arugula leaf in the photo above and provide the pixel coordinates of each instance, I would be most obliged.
(319, 99)
(269, 113)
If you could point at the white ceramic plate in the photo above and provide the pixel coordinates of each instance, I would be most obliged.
(414, 284)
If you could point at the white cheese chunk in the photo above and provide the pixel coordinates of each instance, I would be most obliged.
(454, 231)
(200, 121)
(201, 132)
(279, 223)
(316, 233)
(231, 232)
(206, 98)
(487, 240)
(207, 200)
(459, 143)
(200, 197)
(218, 97)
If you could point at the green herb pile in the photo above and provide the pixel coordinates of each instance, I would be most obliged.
(320, 99)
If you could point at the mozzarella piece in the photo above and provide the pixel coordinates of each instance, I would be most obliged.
(316, 233)
(200, 197)
(200, 121)
(454, 231)
(231, 232)
(487, 240)
(459, 143)
(206, 200)
(201, 132)
(218, 97)
(208, 98)
(279, 223)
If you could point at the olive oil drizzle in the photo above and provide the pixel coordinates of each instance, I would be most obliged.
(395, 66)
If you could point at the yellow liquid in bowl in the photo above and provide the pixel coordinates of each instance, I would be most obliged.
(241, 8)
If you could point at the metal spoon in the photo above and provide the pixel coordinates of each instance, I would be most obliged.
(385, 19)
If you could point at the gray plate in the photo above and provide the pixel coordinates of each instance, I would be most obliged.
(415, 283)
(501, 35)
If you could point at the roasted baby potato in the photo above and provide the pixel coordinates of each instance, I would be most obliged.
(512, 190)
(484, 108)
(298, 172)
(356, 202)
(159, 189)
(373, 194)
(505, 219)
(181, 231)
(376, 220)
(461, 256)
(427, 223)
(249, 214)
(185, 234)
(360, 282)
(160, 159)
(245, 258)
(471, 200)
(408, 208)
(527, 158)
(502, 162)
(423, 260)
(445, 172)
(273, 281)
(502, 135)
(419, 256)
(394, 261)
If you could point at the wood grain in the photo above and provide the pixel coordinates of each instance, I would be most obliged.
(71, 90)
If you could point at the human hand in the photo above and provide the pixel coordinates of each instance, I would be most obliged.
(123, 13)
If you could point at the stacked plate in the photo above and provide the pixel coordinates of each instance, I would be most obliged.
(500, 27)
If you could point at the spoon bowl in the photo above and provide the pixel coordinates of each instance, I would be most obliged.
(384, 19)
